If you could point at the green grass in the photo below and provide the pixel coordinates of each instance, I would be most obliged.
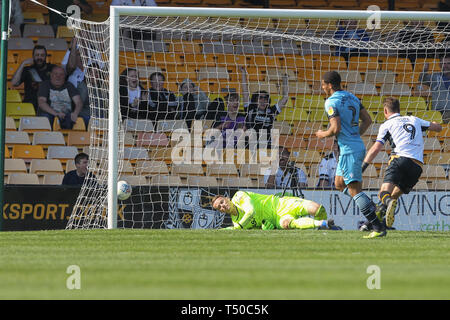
(211, 264)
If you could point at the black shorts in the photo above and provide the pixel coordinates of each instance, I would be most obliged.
(403, 172)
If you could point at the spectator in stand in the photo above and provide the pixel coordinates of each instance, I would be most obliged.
(327, 168)
(161, 100)
(76, 177)
(260, 114)
(439, 83)
(55, 99)
(32, 72)
(133, 97)
(348, 30)
(15, 13)
(56, 19)
(75, 70)
(193, 102)
(282, 176)
(233, 120)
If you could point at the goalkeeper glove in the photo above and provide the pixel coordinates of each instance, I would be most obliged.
(267, 225)
(364, 166)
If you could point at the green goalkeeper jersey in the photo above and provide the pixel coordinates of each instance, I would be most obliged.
(253, 208)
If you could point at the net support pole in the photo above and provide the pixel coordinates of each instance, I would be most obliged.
(3, 80)
(113, 121)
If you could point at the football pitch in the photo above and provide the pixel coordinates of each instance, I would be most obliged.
(217, 264)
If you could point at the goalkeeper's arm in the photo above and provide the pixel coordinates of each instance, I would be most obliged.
(244, 203)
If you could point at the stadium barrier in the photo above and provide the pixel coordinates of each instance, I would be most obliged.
(49, 208)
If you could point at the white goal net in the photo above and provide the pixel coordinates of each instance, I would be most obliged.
(205, 102)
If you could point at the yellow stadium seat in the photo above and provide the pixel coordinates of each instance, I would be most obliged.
(78, 139)
(363, 63)
(412, 104)
(28, 152)
(430, 116)
(395, 64)
(13, 96)
(201, 181)
(310, 102)
(433, 172)
(292, 114)
(306, 156)
(372, 103)
(183, 170)
(78, 126)
(17, 110)
(11, 69)
(326, 63)
(442, 158)
(32, 17)
(221, 169)
(318, 116)
(65, 33)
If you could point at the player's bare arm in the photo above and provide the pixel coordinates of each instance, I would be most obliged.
(372, 153)
(366, 121)
(434, 126)
(333, 129)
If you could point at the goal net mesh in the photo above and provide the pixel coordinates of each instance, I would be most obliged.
(180, 77)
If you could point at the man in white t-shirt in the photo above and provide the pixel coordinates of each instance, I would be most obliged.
(282, 176)
(405, 166)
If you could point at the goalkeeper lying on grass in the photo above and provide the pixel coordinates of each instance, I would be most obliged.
(249, 210)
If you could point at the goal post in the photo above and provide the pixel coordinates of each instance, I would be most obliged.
(118, 44)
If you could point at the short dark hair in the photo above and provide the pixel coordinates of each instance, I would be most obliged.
(232, 96)
(39, 47)
(392, 104)
(332, 77)
(81, 156)
(157, 73)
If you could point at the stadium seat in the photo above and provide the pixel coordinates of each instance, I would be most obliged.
(306, 128)
(430, 116)
(252, 169)
(201, 181)
(70, 166)
(440, 185)
(10, 124)
(276, 74)
(327, 63)
(433, 172)
(35, 32)
(431, 145)
(184, 170)
(13, 96)
(16, 137)
(321, 145)
(283, 127)
(412, 104)
(23, 178)
(78, 139)
(395, 64)
(306, 156)
(55, 57)
(79, 125)
(44, 166)
(395, 89)
(269, 87)
(15, 165)
(363, 64)
(362, 88)
(52, 179)
(152, 140)
(135, 180)
(318, 115)
(28, 152)
(7, 153)
(200, 60)
(24, 43)
(237, 182)
(215, 73)
(372, 130)
(221, 170)
(133, 154)
(370, 172)
(380, 159)
(350, 76)
(292, 114)
(379, 77)
(164, 154)
(165, 180)
(292, 142)
(34, 124)
(65, 33)
(438, 158)
(127, 168)
(138, 125)
(169, 126)
(372, 183)
(372, 103)
(16, 110)
(299, 88)
(151, 167)
(48, 138)
(63, 153)
(11, 69)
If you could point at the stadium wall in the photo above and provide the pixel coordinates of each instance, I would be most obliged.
(49, 208)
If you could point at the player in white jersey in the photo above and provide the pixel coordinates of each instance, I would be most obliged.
(405, 165)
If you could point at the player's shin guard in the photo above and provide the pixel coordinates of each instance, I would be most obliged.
(305, 223)
(321, 214)
(367, 208)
